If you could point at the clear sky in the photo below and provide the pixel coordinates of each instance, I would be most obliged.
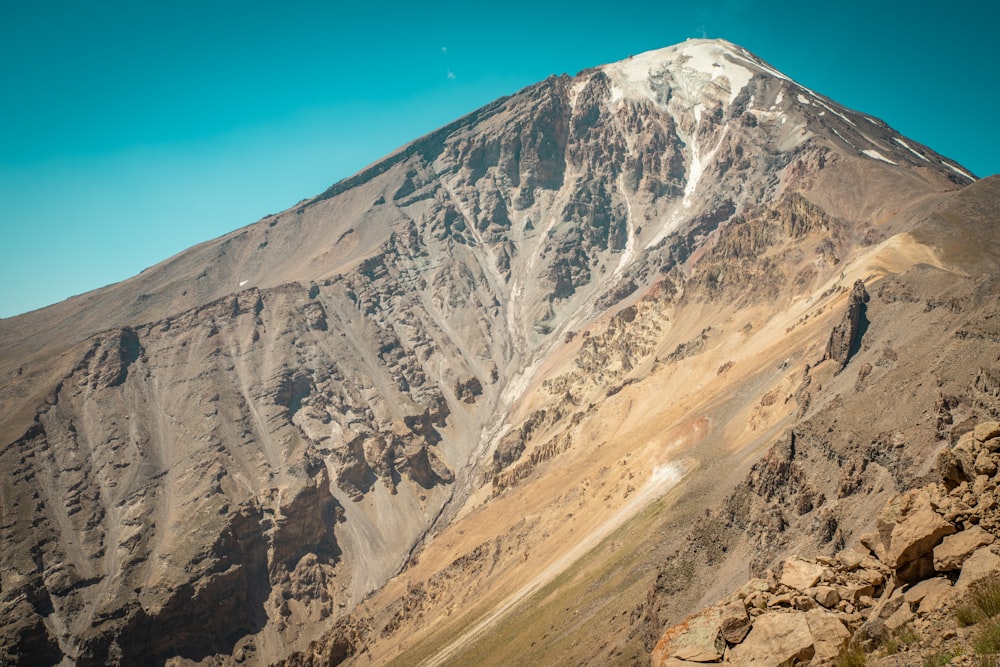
(131, 130)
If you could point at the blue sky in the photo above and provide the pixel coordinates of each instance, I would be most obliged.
(132, 130)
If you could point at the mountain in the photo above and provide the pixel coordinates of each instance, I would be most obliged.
(529, 388)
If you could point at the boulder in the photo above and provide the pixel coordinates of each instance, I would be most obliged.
(984, 464)
(986, 431)
(954, 549)
(899, 618)
(930, 594)
(980, 565)
(777, 638)
(854, 592)
(698, 638)
(734, 622)
(829, 635)
(873, 542)
(827, 596)
(800, 574)
(850, 559)
(910, 528)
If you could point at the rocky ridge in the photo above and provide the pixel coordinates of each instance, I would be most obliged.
(932, 548)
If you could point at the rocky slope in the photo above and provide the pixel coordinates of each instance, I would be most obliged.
(378, 425)
(905, 588)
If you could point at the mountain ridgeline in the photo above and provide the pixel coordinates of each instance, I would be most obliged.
(527, 389)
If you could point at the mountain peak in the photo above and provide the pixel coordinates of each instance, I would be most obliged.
(690, 66)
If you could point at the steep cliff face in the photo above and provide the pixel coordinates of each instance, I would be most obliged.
(228, 453)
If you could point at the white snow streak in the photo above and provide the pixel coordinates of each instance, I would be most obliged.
(909, 148)
(872, 153)
(958, 171)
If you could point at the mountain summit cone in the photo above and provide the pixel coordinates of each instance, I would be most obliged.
(528, 388)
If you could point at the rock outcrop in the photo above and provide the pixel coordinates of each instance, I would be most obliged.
(846, 336)
(933, 546)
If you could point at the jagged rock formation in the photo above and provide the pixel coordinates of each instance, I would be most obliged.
(933, 546)
(361, 428)
(846, 336)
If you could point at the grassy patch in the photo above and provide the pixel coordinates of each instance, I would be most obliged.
(905, 636)
(981, 602)
(987, 639)
(852, 655)
(941, 658)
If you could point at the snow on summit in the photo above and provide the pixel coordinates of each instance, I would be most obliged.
(693, 65)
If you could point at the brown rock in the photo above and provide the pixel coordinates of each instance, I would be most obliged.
(954, 549)
(776, 639)
(846, 336)
(734, 623)
(930, 594)
(984, 463)
(854, 592)
(899, 618)
(697, 638)
(800, 574)
(829, 635)
(986, 431)
(873, 542)
(870, 576)
(850, 559)
(910, 527)
(827, 596)
(980, 565)
(804, 603)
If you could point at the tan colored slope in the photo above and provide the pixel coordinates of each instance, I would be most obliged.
(686, 414)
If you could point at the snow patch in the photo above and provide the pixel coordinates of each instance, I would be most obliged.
(577, 88)
(872, 153)
(958, 171)
(243, 282)
(802, 99)
(695, 64)
(909, 148)
(842, 137)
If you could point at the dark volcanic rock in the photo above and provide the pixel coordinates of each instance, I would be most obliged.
(845, 339)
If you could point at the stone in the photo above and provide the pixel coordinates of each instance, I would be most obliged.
(776, 639)
(850, 559)
(800, 574)
(697, 638)
(871, 577)
(899, 618)
(930, 594)
(992, 445)
(734, 622)
(954, 549)
(827, 596)
(910, 527)
(845, 337)
(981, 564)
(873, 542)
(984, 464)
(829, 635)
(986, 431)
(804, 603)
(854, 592)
